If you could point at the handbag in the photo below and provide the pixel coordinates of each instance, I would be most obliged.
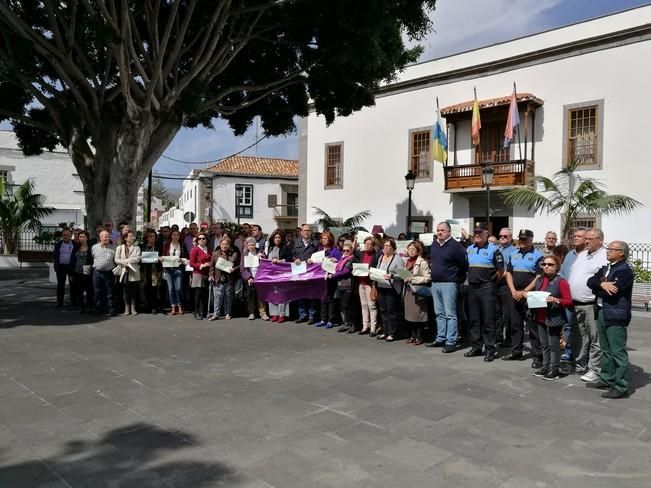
(373, 294)
(421, 290)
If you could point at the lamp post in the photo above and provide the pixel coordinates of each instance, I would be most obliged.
(238, 198)
(487, 179)
(410, 180)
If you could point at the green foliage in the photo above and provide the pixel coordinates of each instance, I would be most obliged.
(354, 223)
(23, 209)
(642, 274)
(571, 195)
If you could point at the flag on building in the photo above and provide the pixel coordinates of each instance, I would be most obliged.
(476, 122)
(512, 122)
(440, 141)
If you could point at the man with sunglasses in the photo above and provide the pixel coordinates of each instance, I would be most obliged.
(613, 287)
(522, 269)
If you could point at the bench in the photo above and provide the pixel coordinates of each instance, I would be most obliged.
(35, 256)
(641, 295)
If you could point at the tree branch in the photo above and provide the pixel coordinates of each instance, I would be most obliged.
(231, 109)
(25, 120)
(265, 87)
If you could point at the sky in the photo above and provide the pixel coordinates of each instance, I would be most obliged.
(458, 25)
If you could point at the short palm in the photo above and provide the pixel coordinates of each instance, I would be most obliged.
(572, 196)
(353, 224)
(23, 209)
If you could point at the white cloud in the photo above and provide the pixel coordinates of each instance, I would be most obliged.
(460, 25)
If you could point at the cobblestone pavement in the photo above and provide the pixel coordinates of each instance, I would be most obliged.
(169, 401)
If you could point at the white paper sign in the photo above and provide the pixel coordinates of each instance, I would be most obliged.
(537, 299)
(86, 268)
(361, 237)
(251, 261)
(377, 274)
(300, 268)
(455, 229)
(318, 256)
(401, 247)
(404, 273)
(171, 261)
(328, 266)
(149, 257)
(224, 265)
(426, 239)
(417, 227)
(360, 269)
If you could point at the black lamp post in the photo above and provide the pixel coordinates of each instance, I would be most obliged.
(238, 199)
(410, 180)
(487, 179)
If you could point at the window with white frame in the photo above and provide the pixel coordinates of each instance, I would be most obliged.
(243, 201)
(420, 153)
(583, 134)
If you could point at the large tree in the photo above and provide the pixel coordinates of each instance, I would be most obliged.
(113, 81)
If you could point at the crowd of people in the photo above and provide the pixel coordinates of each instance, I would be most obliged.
(471, 292)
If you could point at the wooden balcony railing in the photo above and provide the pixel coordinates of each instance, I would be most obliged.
(505, 174)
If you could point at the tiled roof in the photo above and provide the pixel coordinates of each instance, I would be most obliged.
(255, 166)
(491, 102)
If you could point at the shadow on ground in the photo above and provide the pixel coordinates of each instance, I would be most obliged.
(14, 314)
(638, 377)
(123, 458)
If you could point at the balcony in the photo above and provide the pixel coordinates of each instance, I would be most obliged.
(286, 212)
(507, 174)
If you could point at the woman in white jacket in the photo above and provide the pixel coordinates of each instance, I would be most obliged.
(127, 257)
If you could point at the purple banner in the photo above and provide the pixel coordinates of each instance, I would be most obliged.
(275, 283)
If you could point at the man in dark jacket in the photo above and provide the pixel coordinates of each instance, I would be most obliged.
(304, 247)
(613, 287)
(64, 264)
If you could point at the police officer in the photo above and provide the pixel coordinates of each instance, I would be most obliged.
(485, 266)
(520, 277)
(504, 300)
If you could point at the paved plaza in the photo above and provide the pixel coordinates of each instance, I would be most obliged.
(172, 402)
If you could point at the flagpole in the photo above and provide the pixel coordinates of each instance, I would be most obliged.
(515, 91)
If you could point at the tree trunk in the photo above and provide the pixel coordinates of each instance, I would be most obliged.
(124, 154)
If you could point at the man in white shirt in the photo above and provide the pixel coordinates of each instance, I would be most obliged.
(587, 263)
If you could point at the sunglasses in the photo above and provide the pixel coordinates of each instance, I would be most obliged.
(548, 264)
(202, 238)
(347, 250)
(504, 237)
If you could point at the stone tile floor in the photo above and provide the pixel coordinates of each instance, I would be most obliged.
(173, 402)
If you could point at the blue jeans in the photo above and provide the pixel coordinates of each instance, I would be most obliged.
(307, 308)
(567, 332)
(174, 278)
(103, 287)
(223, 298)
(445, 307)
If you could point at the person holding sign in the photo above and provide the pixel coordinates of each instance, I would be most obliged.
(551, 319)
(369, 257)
(344, 292)
(329, 305)
(127, 256)
(390, 291)
(416, 306)
(223, 273)
(83, 279)
(303, 249)
(150, 270)
(200, 262)
(249, 266)
(172, 256)
(278, 251)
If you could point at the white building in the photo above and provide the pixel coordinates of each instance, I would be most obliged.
(583, 93)
(53, 175)
(256, 190)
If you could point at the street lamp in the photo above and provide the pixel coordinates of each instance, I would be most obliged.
(410, 180)
(238, 199)
(487, 179)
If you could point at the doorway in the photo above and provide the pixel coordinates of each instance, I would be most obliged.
(496, 224)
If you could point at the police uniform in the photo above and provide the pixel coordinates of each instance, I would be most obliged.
(484, 262)
(504, 302)
(524, 267)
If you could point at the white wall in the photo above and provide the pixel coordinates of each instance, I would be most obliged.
(376, 141)
(53, 175)
(224, 199)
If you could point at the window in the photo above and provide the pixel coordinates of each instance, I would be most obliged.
(4, 178)
(292, 204)
(583, 126)
(420, 153)
(587, 222)
(334, 156)
(243, 201)
(491, 142)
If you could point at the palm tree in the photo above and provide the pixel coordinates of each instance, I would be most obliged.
(572, 196)
(352, 223)
(23, 209)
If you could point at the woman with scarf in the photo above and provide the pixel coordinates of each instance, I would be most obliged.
(369, 306)
(200, 262)
(344, 281)
(127, 256)
(328, 304)
(224, 281)
(551, 319)
(173, 269)
(416, 306)
(151, 273)
(279, 251)
(248, 275)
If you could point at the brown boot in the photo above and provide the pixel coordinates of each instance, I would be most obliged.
(133, 308)
(180, 310)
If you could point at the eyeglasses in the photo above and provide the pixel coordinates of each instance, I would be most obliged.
(548, 264)
(613, 249)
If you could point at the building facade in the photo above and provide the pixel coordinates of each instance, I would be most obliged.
(582, 96)
(53, 175)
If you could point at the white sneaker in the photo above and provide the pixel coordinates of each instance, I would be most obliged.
(251, 317)
(589, 377)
